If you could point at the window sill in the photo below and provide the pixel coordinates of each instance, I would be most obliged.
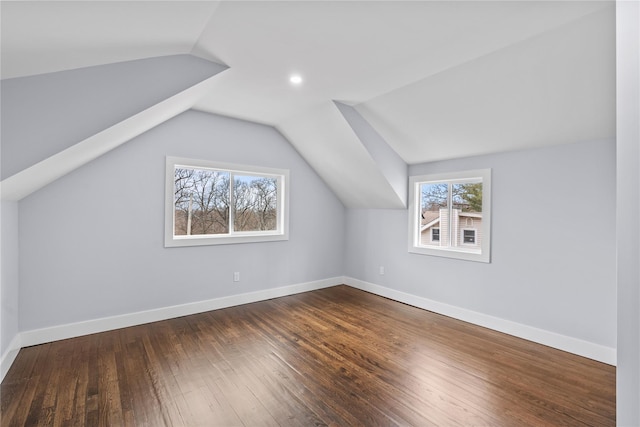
(456, 253)
(207, 240)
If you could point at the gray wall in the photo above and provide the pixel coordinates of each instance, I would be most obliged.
(45, 114)
(91, 243)
(628, 206)
(553, 245)
(9, 274)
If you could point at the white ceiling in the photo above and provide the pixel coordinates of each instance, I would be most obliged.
(437, 79)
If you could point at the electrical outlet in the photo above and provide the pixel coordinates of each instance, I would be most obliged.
(236, 276)
(381, 271)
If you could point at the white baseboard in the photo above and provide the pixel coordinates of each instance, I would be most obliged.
(562, 342)
(9, 356)
(71, 330)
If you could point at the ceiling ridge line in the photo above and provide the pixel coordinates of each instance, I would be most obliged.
(196, 48)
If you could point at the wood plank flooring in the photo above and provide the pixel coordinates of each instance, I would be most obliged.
(337, 356)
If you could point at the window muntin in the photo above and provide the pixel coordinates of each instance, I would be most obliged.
(458, 205)
(209, 203)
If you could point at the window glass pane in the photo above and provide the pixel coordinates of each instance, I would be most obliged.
(255, 203)
(433, 200)
(469, 236)
(201, 201)
(467, 197)
(466, 201)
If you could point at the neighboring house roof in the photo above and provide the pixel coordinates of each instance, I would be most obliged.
(471, 214)
(431, 218)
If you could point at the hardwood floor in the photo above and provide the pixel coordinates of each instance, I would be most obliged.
(337, 356)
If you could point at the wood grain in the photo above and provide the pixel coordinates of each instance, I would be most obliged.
(332, 357)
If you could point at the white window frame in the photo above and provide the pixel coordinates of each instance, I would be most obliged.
(460, 252)
(432, 229)
(282, 228)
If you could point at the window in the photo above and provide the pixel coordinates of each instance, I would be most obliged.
(469, 237)
(211, 203)
(449, 215)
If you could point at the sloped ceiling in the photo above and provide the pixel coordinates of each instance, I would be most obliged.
(435, 79)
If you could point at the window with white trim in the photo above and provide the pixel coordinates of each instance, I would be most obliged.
(212, 203)
(450, 215)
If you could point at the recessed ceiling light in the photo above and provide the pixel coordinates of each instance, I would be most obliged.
(295, 79)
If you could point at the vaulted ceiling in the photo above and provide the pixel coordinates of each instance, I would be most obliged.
(432, 80)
